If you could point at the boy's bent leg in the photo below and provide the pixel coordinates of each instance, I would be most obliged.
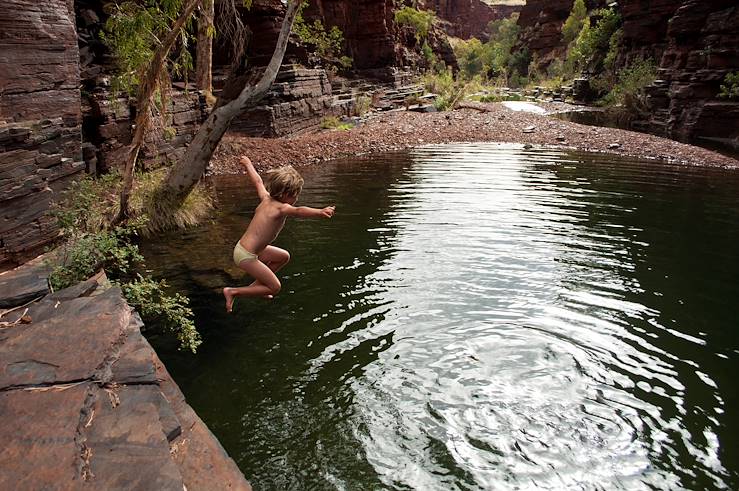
(275, 258)
(265, 284)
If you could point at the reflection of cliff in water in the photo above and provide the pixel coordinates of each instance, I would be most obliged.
(626, 121)
(265, 345)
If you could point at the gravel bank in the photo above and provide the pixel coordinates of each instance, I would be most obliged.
(473, 123)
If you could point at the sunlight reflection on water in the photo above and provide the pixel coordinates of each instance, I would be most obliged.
(483, 317)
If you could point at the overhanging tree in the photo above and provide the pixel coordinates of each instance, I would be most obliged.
(184, 175)
(238, 95)
(148, 86)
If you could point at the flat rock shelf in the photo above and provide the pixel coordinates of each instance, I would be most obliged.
(88, 404)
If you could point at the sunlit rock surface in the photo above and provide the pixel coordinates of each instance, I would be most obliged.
(88, 404)
(40, 121)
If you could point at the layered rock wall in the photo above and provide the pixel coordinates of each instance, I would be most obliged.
(541, 28)
(702, 48)
(109, 128)
(296, 102)
(645, 27)
(40, 121)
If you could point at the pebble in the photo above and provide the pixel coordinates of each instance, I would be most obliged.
(493, 122)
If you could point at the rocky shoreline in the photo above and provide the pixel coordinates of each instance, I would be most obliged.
(475, 122)
(89, 405)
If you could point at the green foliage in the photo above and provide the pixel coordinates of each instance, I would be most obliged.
(574, 23)
(89, 204)
(134, 30)
(448, 90)
(169, 133)
(730, 87)
(428, 54)
(472, 57)
(594, 41)
(334, 123)
(614, 43)
(91, 244)
(169, 312)
(629, 91)
(519, 61)
(494, 58)
(362, 105)
(85, 253)
(327, 44)
(420, 20)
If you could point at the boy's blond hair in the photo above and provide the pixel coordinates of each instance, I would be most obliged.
(283, 182)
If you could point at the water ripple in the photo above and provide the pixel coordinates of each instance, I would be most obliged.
(489, 317)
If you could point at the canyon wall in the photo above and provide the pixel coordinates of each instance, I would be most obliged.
(541, 29)
(40, 121)
(368, 27)
(645, 27)
(468, 18)
(694, 42)
(702, 48)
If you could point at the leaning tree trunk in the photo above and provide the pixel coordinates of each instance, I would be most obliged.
(143, 105)
(185, 174)
(204, 60)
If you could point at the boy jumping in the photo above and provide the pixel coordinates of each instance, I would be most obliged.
(253, 252)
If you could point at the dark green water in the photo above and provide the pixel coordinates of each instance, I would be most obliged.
(476, 317)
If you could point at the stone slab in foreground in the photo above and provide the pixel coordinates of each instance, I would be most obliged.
(87, 404)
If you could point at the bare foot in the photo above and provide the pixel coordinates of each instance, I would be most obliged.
(229, 299)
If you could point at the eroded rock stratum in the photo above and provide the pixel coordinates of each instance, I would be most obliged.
(88, 404)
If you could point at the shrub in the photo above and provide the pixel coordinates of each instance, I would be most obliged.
(428, 54)
(91, 244)
(84, 253)
(730, 87)
(574, 23)
(595, 40)
(420, 20)
(491, 59)
(629, 91)
(334, 123)
(362, 105)
(448, 90)
(328, 44)
(169, 312)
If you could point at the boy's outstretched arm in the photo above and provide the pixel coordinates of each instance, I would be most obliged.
(308, 212)
(254, 176)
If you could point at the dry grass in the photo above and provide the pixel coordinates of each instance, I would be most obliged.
(161, 212)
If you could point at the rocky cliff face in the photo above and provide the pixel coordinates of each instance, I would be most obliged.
(541, 28)
(468, 18)
(695, 43)
(40, 120)
(702, 48)
(368, 27)
(645, 27)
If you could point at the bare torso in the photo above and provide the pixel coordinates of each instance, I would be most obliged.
(264, 227)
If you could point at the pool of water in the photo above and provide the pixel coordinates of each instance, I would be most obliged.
(475, 317)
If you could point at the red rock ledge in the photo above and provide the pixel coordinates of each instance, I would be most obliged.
(87, 404)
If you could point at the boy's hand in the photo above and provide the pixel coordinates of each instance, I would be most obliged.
(328, 212)
(245, 161)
